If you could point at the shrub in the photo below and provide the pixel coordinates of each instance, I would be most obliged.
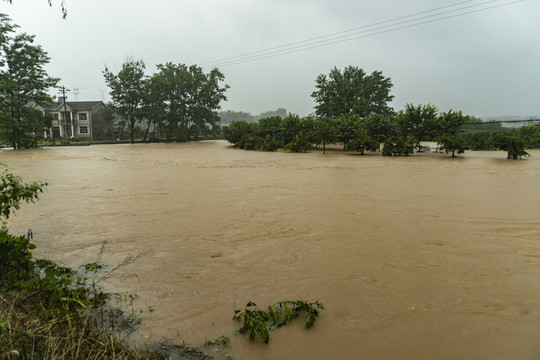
(515, 146)
(259, 322)
(398, 146)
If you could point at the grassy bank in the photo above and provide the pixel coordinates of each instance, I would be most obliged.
(52, 312)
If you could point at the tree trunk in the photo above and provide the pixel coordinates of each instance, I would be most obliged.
(147, 130)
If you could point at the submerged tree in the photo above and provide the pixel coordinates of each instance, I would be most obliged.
(515, 146)
(419, 122)
(448, 127)
(453, 144)
(23, 84)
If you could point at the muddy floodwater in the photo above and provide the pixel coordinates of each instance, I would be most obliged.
(422, 257)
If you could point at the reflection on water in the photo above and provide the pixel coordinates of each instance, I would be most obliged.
(421, 257)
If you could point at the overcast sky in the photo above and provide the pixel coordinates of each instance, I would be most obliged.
(483, 59)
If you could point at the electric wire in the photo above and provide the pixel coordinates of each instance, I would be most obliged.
(331, 35)
(311, 44)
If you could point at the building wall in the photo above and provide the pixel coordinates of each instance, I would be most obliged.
(83, 124)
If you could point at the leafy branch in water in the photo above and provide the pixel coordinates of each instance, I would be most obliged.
(13, 191)
(279, 314)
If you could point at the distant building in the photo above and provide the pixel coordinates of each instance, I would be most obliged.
(80, 119)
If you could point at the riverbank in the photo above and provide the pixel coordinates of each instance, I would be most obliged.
(48, 312)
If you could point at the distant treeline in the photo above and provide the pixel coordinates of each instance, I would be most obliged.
(478, 138)
(229, 116)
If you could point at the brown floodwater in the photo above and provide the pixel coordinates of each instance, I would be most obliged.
(421, 257)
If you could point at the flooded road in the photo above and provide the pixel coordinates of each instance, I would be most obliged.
(423, 257)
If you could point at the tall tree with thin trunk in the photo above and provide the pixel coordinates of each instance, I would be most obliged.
(128, 91)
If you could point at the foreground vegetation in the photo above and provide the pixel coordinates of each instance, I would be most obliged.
(50, 312)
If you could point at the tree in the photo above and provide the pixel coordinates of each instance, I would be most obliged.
(325, 131)
(190, 99)
(352, 92)
(128, 93)
(398, 146)
(347, 125)
(290, 127)
(234, 132)
(205, 96)
(362, 142)
(515, 146)
(23, 84)
(268, 128)
(450, 123)
(298, 144)
(452, 143)
(152, 109)
(420, 122)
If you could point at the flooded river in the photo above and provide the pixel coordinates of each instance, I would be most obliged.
(423, 257)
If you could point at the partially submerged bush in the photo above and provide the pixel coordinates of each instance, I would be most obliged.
(259, 322)
(515, 146)
(398, 146)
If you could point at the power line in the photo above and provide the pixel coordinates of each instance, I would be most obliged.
(336, 38)
(331, 35)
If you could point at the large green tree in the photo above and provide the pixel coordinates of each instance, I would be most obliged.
(23, 84)
(205, 96)
(190, 99)
(513, 145)
(352, 91)
(128, 91)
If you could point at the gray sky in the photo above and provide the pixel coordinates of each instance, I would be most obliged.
(486, 63)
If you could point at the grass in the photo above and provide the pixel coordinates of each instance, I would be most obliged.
(29, 330)
(50, 312)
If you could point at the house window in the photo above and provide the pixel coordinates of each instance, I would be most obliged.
(83, 129)
(55, 116)
(82, 116)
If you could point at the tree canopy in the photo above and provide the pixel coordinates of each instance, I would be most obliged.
(128, 90)
(352, 91)
(179, 101)
(24, 83)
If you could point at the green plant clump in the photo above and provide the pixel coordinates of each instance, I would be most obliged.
(260, 322)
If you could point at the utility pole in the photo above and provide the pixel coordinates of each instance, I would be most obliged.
(63, 90)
